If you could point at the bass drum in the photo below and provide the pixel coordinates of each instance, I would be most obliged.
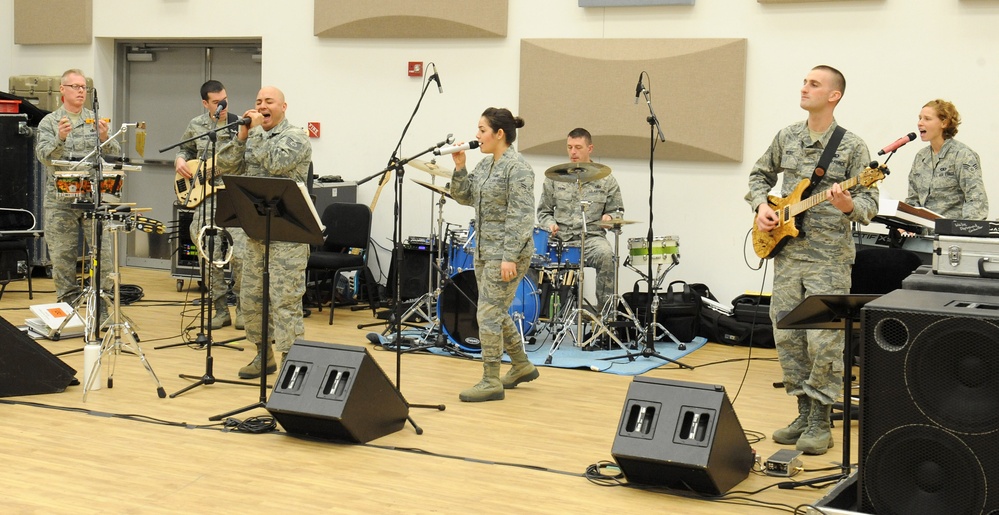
(457, 313)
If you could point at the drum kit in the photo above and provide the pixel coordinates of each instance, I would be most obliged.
(556, 265)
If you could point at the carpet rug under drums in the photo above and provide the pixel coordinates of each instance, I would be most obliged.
(568, 355)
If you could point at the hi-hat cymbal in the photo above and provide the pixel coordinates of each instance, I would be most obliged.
(581, 172)
(433, 187)
(611, 224)
(430, 167)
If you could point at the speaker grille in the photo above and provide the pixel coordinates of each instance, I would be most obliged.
(929, 403)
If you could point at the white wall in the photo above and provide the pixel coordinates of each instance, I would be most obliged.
(896, 55)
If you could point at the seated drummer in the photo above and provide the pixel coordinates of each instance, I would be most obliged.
(559, 212)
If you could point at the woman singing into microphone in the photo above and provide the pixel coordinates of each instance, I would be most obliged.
(946, 177)
(501, 189)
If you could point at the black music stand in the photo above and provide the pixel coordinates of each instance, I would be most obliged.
(832, 312)
(268, 209)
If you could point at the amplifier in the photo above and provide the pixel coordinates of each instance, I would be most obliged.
(979, 228)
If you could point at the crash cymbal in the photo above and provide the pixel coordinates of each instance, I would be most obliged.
(433, 187)
(430, 167)
(611, 224)
(582, 172)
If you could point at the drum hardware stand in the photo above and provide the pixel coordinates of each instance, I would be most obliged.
(112, 343)
(398, 166)
(211, 230)
(598, 327)
(615, 306)
(648, 336)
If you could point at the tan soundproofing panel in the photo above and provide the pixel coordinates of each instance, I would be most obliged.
(698, 89)
(794, 1)
(53, 22)
(410, 19)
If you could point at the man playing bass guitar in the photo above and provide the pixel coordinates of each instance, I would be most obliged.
(819, 259)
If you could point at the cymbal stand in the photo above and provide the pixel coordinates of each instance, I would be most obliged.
(426, 305)
(112, 343)
(597, 325)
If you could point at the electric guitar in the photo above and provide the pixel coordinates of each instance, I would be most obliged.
(768, 244)
(191, 192)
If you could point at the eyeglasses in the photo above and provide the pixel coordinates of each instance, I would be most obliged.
(76, 87)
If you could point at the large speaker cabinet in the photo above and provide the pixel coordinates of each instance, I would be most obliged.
(336, 392)
(681, 435)
(929, 404)
(26, 368)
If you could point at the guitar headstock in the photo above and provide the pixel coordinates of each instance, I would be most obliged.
(873, 173)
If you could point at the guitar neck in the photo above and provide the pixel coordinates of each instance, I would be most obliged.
(819, 198)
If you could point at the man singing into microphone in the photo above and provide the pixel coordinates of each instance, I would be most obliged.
(215, 101)
(819, 261)
(559, 212)
(270, 147)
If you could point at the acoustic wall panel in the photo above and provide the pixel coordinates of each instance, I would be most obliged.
(410, 19)
(698, 91)
(36, 22)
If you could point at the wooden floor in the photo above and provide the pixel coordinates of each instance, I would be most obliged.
(126, 450)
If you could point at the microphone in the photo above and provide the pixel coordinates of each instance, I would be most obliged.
(897, 143)
(220, 108)
(638, 88)
(437, 78)
(245, 121)
(451, 149)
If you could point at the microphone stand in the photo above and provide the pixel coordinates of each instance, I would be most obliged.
(398, 165)
(649, 347)
(204, 338)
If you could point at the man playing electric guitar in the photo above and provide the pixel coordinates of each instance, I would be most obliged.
(819, 260)
(213, 98)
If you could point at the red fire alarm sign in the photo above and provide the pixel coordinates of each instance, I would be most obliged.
(313, 129)
(416, 68)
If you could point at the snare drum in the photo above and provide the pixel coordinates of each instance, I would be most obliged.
(662, 246)
(457, 312)
(540, 257)
(564, 254)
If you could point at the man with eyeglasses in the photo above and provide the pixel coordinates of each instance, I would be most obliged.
(70, 133)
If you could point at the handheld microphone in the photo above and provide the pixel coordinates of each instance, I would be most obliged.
(245, 121)
(897, 143)
(638, 88)
(451, 149)
(220, 108)
(437, 78)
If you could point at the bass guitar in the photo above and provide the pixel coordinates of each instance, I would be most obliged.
(768, 244)
(191, 192)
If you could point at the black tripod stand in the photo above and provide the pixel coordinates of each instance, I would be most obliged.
(648, 347)
(206, 173)
(263, 207)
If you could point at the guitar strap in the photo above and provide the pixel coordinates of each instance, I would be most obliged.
(824, 160)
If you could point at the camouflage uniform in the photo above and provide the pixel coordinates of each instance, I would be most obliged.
(60, 218)
(817, 262)
(502, 193)
(560, 205)
(954, 187)
(194, 150)
(284, 151)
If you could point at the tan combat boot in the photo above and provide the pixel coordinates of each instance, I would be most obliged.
(488, 389)
(817, 438)
(790, 434)
(252, 370)
(220, 317)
